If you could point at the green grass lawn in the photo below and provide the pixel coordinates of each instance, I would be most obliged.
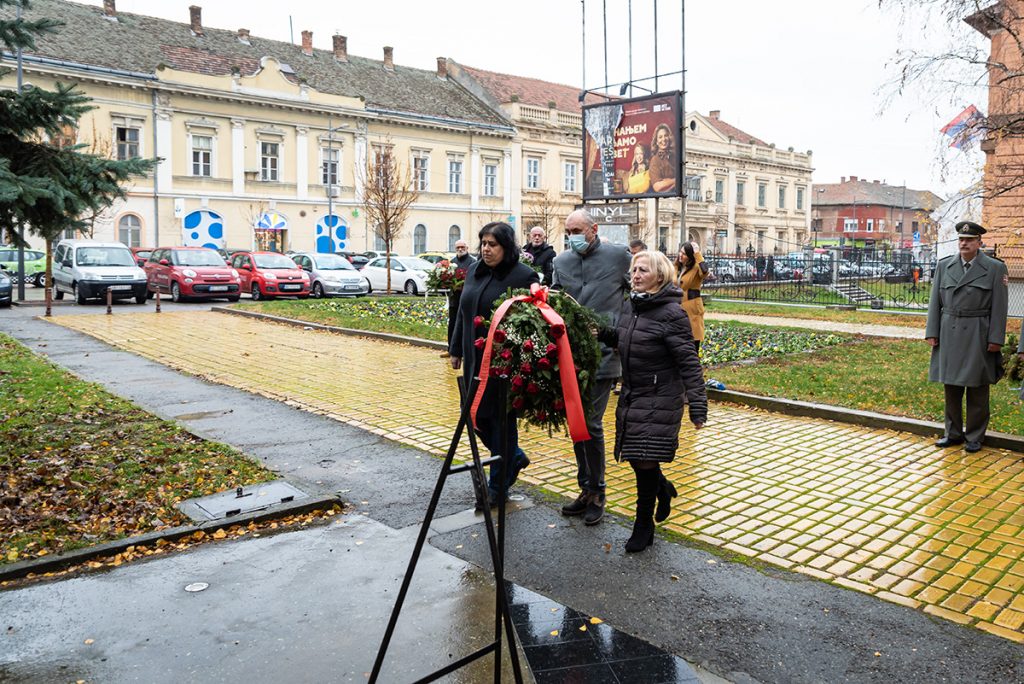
(80, 466)
(886, 376)
(821, 314)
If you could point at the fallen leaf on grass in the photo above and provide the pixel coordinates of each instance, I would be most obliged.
(596, 620)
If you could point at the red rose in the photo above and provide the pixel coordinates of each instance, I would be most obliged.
(528, 345)
(532, 388)
(518, 403)
(557, 331)
(517, 382)
(443, 263)
(498, 371)
(478, 321)
(526, 368)
(543, 363)
(499, 335)
(460, 273)
(552, 349)
(506, 354)
(541, 415)
(558, 405)
(479, 343)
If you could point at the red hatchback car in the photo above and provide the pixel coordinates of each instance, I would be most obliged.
(266, 275)
(191, 272)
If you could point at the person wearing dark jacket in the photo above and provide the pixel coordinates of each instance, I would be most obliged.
(543, 253)
(486, 282)
(463, 259)
(659, 366)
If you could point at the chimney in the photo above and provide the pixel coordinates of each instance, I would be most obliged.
(853, 179)
(389, 61)
(243, 36)
(442, 67)
(109, 9)
(195, 13)
(714, 114)
(340, 48)
(842, 179)
(876, 182)
(307, 43)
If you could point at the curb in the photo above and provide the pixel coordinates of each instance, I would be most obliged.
(65, 560)
(926, 428)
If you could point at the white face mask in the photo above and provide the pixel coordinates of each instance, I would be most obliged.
(578, 243)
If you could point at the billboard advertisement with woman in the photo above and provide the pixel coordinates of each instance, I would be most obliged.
(631, 148)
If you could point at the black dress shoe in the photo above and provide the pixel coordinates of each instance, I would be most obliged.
(972, 447)
(948, 442)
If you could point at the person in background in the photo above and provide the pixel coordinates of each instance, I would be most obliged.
(486, 282)
(463, 259)
(769, 268)
(594, 274)
(690, 273)
(659, 367)
(637, 246)
(543, 253)
(966, 329)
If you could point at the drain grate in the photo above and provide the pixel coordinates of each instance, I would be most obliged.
(232, 503)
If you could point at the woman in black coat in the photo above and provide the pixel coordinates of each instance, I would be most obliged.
(486, 282)
(659, 365)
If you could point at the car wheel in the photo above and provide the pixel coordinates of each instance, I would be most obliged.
(39, 279)
(176, 293)
(256, 294)
(410, 287)
(233, 299)
(79, 297)
(318, 290)
(369, 287)
(58, 293)
(141, 299)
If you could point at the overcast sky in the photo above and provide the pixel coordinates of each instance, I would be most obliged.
(810, 74)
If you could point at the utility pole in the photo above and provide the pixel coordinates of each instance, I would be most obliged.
(21, 226)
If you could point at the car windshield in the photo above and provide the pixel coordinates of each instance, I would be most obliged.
(332, 262)
(416, 264)
(197, 257)
(273, 261)
(104, 256)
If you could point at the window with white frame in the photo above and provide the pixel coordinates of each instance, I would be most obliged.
(454, 175)
(129, 230)
(454, 233)
(871, 225)
(378, 242)
(419, 239)
(330, 163)
(741, 186)
(849, 225)
(533, 173)
(202, 155)
(782, 196)
(383, 164)
(800, 199)
(762, 195)
(570, 170)
(490, 178)
(127, 138)
(421, 171)
(270, 161)
(693, 188)
(719, 191)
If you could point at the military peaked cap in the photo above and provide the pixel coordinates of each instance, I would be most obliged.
(969, 229)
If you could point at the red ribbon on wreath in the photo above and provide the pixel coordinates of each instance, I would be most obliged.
(574, 413)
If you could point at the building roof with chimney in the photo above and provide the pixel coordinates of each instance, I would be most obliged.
(505, 88)
(728, 130)
(140, 44)
(857, 191)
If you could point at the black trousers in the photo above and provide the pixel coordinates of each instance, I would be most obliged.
(977, 412)
(590, 454)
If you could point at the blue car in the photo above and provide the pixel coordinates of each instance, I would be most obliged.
(6, 288)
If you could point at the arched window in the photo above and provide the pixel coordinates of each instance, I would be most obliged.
(419, 239)
(129, 230)
(454, 233)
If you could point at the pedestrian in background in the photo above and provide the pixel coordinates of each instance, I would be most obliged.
(595, 275)
(966, 329)
(463, 259)
(543, 253)
(659, 367)
(690, 273)
(637, 246)
(486, 282)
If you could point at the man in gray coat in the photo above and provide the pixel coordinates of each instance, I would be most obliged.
(966, 329)
(595, 274)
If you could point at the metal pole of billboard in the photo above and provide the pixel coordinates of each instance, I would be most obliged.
(684, 234)
(655, 45)
(630, 10)
(583, 42)
(21, 226)
(604, 19)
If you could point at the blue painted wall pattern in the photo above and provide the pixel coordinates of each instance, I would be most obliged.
(203, 228)
(331, 233)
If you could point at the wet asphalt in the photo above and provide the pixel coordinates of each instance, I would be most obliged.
(311, 605)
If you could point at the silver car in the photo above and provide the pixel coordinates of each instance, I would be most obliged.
(331, 275)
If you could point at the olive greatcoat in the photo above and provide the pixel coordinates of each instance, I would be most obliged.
(966, 313)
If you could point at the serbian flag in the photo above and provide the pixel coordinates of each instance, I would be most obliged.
(965, 128)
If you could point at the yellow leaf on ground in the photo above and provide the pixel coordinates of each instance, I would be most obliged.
(596, 620)
(554, 632)
(12, 555)
(220, 534)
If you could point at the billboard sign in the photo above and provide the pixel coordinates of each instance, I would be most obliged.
(615, 214)
(632, 148)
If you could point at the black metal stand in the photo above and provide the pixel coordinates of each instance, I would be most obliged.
(502, 617)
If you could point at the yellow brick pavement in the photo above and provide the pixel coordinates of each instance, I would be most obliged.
(873, 510)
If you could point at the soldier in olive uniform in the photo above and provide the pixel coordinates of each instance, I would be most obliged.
(966, 329)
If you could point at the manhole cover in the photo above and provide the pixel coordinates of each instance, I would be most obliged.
(234, 502)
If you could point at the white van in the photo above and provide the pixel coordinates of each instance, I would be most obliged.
(87, 269)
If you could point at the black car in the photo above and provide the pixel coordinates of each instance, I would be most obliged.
(357, 259)
(6, 288)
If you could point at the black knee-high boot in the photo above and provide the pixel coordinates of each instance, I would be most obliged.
(666, 492)
(646, 491)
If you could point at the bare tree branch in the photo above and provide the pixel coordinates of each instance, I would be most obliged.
(388, 194)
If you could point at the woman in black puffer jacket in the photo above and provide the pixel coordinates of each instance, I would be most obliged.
(659, 364)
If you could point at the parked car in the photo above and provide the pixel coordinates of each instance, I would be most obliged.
(191, 273)
(331, 275)
(266, 275)
(408, 274)
(35, 264)
(434, 257)
(6, 288)
(141, 255)
(373, 254)
(731, 270)
(88, 269)
(357, 259)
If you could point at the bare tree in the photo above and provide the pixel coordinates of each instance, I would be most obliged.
(388, 194)
(542, 210)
